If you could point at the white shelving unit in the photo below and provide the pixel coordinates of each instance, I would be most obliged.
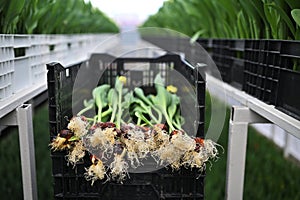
(23, 76)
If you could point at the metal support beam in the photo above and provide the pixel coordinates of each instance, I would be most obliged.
(240, 118)
(24, 118)
(286, 122)
(288, 140)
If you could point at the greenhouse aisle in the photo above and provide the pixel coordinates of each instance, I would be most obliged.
(128, 44)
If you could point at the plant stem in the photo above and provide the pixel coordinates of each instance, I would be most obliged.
(95, 119)
(171, 127)
(84, 110)
(89, 119)
(99, 114)
(107, 112)
(153, 117)
(139, 121)
(159, 114)
(118, 124)
(113, 115)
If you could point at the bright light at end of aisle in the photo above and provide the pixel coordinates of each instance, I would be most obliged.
(128, 13)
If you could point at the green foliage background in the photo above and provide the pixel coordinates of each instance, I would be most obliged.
(269, 19)
(52, 17)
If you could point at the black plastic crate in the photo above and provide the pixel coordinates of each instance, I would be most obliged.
(271, 73)
(251, 77)
(222, 56)
(237, 49)
(290, 55)
(289, 93)
(228, 55)
(237, 73)
(289, 78)
(69, 182)
(205, 43)
(262, 58)
(260, 68)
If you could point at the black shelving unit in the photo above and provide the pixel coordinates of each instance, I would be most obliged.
(266, 69)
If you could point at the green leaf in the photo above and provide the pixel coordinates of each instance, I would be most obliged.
(197, 35)
(142, 117)
(284, 16)
(152, 99)
(230, 8)
(111, 96)
(127, 100)
(260, 8)
(240, 23)
(88, 103)
(296, 16)
(140, 94)
(293, 4)
(189, 8)
(88, 106)
(14, 9)
(140, 110)
(113, 102)
(99, 95)
(158, 80)
(253, 17)
(273, 21)
(32, 21)
(3, 5)
(12, 14)
(173, 106)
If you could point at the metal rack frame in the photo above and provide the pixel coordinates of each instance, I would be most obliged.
(251, 111)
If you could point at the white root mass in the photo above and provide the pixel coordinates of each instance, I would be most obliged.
(174, 150)
(76, 154)
(78, 126)
(95, 172)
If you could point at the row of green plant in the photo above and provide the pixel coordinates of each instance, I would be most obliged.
(52, 17)
(269, 19)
